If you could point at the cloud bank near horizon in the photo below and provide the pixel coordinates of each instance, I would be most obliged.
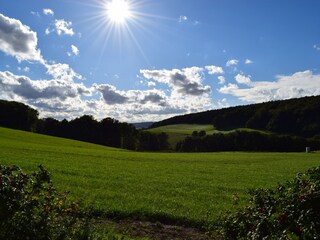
(65, 93)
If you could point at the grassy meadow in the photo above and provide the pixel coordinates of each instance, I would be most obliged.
(186, 187)
(178, 132)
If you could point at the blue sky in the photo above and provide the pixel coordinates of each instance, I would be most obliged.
(163, 58)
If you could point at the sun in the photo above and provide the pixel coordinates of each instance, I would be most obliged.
(118, 11)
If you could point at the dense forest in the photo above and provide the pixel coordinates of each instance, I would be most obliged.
(241, 140)
(108, 131)
(300, 117)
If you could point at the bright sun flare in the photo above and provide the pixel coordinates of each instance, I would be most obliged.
(118, 11)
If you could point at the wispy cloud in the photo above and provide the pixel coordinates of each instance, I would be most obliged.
(248, 61)
(232, 62)
(317, 47)
(183, 18)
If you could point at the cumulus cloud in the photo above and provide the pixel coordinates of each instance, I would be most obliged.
(297, 85)
(26, 88)
(155, 104)
(63, 27)
(154, 97)
(242, 79)
(214, 70)
(53, 98)
(74, 51)
(18, 40)
(47, 11)
(232, 62)
(111, 95)
(62, 71)
(187, 81)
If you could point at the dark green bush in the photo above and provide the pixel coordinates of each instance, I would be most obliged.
(31, 208)
(291, 211)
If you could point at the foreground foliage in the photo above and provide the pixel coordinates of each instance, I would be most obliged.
(30, 208)
(291, 211)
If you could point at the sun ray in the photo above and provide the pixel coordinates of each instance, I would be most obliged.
(118, 11)
(121, 24)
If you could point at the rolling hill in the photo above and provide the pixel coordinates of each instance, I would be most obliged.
(298, 117)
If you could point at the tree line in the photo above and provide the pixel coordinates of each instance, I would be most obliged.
(108, 131)
(240, 140)
(291, 117)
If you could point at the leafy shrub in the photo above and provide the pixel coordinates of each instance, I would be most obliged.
(291, 211)
(31, 208)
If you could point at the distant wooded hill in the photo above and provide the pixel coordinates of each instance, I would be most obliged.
(299, 117)
(108, 131)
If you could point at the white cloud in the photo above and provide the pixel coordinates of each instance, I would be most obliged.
(18, 40)
(214, 70)
(183, 18)
(48, 11)
(185, 94)
(63, 27)
(53, 98)
(187, 81)
(27, 90)
(61, 97)
(221, 79)
(297, 85)
(111, 95)
(248, 61)
(223, 103)
(232, 62)
(62, 72)
(151, 84)
(242, 79)
(74, 51)
(47, 31)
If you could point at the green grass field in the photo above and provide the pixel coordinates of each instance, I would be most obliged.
(179, 132)
(188, 187)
